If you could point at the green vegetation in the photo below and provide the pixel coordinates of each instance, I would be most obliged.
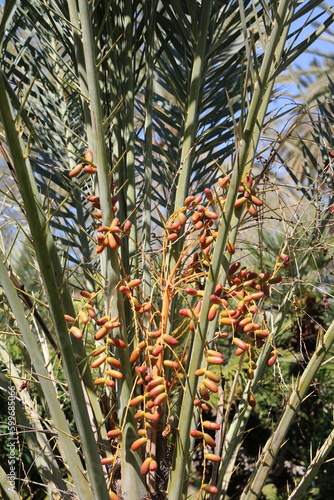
(166, 254)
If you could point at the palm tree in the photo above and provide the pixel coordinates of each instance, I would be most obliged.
(116, 117)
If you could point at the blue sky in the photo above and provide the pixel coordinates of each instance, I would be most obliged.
(320, 45)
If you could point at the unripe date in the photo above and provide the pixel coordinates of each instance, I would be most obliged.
(145, 466)
(139, 443)
(209, 488)
(211, 425)
(212, 457)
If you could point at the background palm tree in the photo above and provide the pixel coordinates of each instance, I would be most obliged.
(154, 101)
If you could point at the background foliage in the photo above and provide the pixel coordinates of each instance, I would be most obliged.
(169, 97)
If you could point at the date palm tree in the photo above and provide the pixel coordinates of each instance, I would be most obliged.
(132, 134)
